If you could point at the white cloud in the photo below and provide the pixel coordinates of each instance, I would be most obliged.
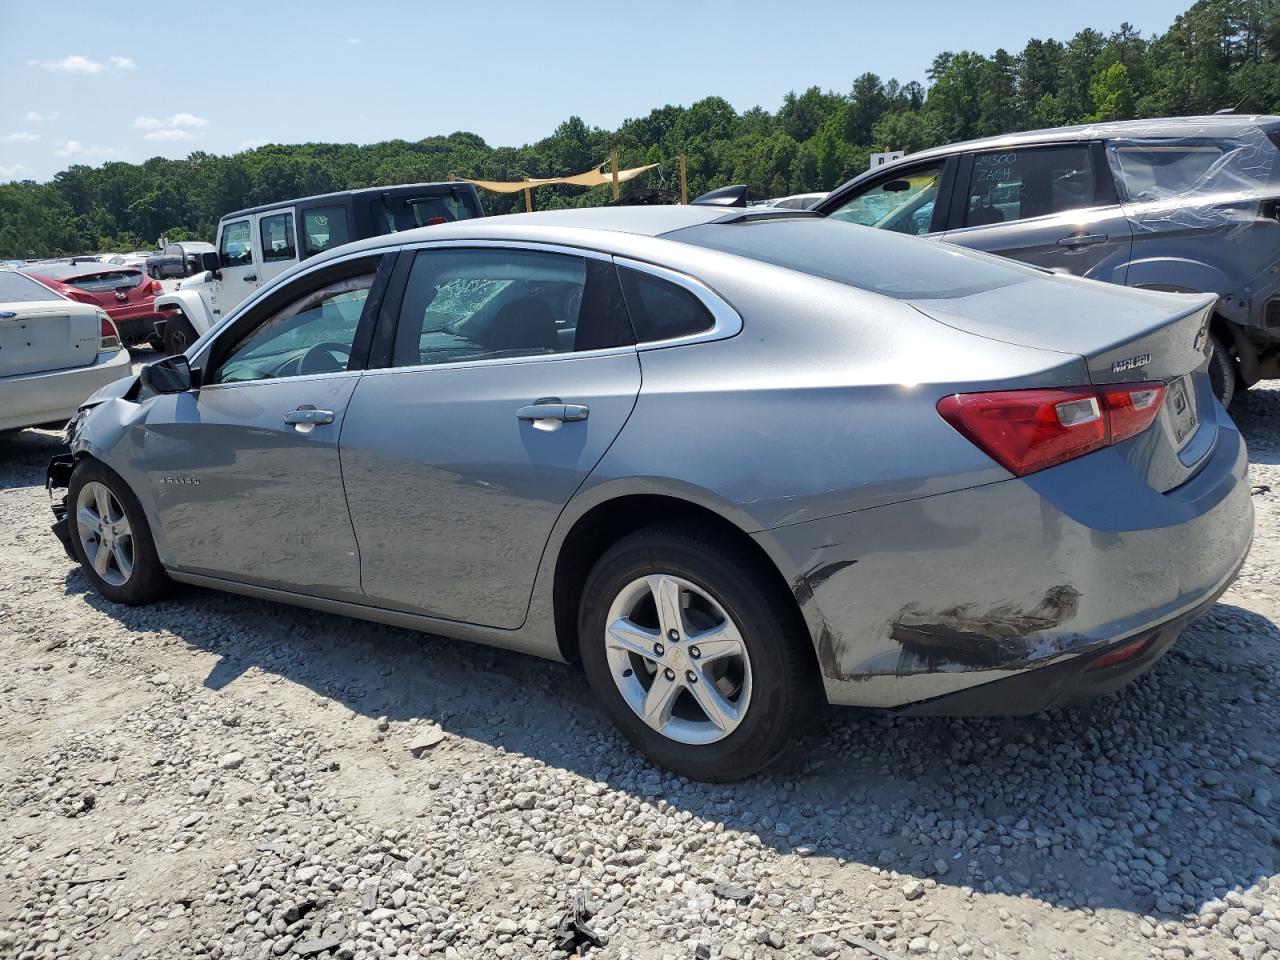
(11, 173)
(74, 148)
(354, 41)
(78, 64)
(169, 133)
(177, 127)
(22, 136)
(34, 117)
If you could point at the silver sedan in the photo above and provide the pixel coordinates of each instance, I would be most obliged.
(735, 463)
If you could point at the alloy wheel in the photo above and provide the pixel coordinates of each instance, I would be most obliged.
(678, 659)
(105, 534)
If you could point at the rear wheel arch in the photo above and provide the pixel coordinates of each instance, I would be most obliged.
(609, 521)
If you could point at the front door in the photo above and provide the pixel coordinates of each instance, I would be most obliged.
(513, 371)
(1051, 206)
(278, 248)
(237, 262)
(245, 469)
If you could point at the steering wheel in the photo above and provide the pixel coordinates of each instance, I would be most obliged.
(327, 357)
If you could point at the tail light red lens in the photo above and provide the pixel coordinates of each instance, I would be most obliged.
(109, 336)
(1029, 430)
(435, 221)
(154, 288)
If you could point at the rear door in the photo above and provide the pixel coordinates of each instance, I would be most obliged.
(40, 330)
(1052, 206)
(277, 243)
(513, 370)
(237, 262)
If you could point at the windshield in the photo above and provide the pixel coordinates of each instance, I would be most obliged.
(15, 288)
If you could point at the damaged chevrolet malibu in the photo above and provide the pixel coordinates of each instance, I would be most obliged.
(736, 464)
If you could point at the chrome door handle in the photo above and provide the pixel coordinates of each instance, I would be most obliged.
(551, 408)
(1084, 241)
(308, 415)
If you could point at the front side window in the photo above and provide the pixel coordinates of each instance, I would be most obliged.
(277, 237)
(1009, 185)
(482, 304)
(312, 335)
(236, 247)
(903, 204)
(324, 228)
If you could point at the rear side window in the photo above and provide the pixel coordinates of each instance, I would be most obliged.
(393, 214)
(1152, 170)
(277, 237)
(15, 288)
(1009, 185)
(324, 228)
(236, 247)
(660, 309)
(492, 303)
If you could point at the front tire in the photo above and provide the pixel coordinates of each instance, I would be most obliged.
(698, 656)
(110, 537)
(178, 334)
(1222, 372)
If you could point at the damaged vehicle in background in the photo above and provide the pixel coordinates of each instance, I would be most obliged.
(126, 295)
(255, 245)
(1188, 204)
(735, 462)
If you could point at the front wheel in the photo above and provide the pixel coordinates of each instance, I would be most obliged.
(697, 655)
(178, 335)
(110, 537)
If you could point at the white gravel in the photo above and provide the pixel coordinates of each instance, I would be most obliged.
(219, 777)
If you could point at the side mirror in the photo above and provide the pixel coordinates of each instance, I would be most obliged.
(896, 186)
(170, 375)
(209, 261)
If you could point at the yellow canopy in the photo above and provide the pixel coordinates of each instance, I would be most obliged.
(594, 177)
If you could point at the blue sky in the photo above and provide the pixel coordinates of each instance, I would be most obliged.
(104, 81)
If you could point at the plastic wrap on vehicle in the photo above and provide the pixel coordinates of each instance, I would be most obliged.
(1204, 177)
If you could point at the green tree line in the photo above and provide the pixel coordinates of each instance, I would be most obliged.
(1218, 54)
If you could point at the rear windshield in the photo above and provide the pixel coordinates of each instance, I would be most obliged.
(15, 288)
(100, 282)
(393, 214)
(880, 261)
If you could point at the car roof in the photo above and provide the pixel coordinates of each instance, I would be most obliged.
(1214, 125)
(439, 186)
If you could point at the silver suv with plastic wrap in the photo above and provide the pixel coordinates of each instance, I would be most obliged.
(1188, 204)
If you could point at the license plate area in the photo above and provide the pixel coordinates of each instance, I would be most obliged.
(1180, 405)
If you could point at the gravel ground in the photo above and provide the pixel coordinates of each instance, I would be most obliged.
(220, 777)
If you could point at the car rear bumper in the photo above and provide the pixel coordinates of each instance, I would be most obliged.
(35, 398)
(136, 325)
(945, 599)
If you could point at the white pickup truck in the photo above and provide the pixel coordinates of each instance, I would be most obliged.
(259, 243)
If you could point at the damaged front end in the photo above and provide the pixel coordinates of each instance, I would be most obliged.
(57, 477)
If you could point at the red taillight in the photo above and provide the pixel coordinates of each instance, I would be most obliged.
(1030, 430)
(154, 288)
(435, 221)
(108, 336)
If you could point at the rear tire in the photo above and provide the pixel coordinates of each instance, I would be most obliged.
(759, 696)
(1222, 372)
(127, 568)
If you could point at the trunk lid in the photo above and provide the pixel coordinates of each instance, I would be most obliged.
(41, 330)
(1124, 336)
